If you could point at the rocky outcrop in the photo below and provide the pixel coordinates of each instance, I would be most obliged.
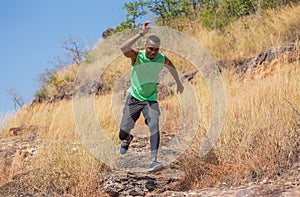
(267, 58)
(263, 64)
(122, 183)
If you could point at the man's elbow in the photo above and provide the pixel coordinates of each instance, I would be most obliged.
(124, 49)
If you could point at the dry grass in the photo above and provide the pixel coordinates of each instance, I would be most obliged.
(260, 135)
(62, 163)
(4, 117)
(260, 128)
(246, 37)
(66, 166)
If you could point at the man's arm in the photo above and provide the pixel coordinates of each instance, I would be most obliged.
(174, 73)
(126, 46)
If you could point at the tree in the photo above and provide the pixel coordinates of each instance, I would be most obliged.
(135, 10)
(213, 14)
(56, 82)
(168, 10)
(75, 50)
(123, 26)
(16, 98)
(210, 14)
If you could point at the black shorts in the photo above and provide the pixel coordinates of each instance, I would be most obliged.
(132, 110)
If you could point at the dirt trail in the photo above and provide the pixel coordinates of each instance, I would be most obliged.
(16, 153)
(167, 182)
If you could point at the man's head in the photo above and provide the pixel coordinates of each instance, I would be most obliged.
(152, 46)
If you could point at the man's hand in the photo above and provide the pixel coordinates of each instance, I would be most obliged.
(145, 27)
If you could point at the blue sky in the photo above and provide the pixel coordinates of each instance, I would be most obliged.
(32, 33)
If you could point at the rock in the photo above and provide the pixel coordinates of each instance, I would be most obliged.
(245, 193)
(16, 131)
(263, 63)
(150, 185)
(89, 86)
(138, 184)
(107, 32)
(17, 153)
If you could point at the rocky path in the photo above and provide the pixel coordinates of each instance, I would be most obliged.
(167, 182)
(16, 153)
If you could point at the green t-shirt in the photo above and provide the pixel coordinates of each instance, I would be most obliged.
(144, 76)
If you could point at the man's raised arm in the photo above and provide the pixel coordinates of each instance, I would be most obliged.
(126, 46)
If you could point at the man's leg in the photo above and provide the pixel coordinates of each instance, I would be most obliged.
(131, 112)
(151, 113)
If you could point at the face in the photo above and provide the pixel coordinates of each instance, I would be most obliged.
(152, 49)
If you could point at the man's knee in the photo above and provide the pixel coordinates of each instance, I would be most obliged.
(153, 124)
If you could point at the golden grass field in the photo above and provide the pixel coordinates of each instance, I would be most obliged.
(261, 133)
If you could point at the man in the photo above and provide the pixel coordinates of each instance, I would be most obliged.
(146, 66)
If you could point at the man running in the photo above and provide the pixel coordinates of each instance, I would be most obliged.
(146, 67)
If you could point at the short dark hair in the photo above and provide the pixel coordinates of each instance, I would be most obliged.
(154, 39)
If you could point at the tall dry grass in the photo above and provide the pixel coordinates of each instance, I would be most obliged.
(61, 164)
(246, 37)
(261, 126)
(66, 167)
(4, 117)
(260, 135)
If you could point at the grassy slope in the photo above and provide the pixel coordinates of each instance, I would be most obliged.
(259, 138)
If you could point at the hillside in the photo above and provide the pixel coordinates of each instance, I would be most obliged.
(43, 152)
